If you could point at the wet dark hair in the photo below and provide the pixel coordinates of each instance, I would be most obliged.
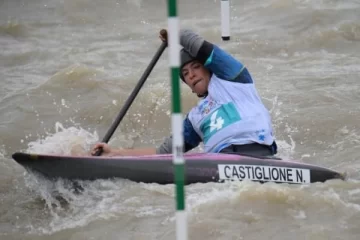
(185, 58)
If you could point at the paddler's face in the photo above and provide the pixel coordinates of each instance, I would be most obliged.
(196, 76)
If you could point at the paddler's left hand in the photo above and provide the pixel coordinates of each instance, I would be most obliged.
(107, 151)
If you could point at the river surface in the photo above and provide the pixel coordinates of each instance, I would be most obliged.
(67, 67)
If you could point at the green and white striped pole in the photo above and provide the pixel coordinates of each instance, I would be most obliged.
(176, 120)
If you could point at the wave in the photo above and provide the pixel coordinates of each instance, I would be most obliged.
(14, 29)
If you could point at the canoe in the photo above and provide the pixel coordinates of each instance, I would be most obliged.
(199, 168)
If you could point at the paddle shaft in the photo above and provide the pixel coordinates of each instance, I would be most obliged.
(132, 96)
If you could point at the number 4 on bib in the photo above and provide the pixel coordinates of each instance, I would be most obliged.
(222, 117)
(216, 123)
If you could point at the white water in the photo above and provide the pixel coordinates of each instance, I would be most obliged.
(68, 66)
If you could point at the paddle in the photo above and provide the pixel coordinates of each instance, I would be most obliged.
(132, 96)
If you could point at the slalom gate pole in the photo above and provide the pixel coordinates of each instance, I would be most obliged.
(176, 120)
(225, 20)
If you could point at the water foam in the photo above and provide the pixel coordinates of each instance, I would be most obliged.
(71, 141)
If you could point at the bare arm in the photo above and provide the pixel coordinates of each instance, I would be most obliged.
(191, 140)
(108, 151)
(134, 152)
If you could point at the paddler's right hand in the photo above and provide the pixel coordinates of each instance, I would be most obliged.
(106, 149)
(163, 35)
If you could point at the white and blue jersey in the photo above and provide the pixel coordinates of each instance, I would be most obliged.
(232, 111)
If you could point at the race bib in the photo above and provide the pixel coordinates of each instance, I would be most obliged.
(219, 119)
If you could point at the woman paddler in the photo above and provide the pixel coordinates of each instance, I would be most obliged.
(230, 116)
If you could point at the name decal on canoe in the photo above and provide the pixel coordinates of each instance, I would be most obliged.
(263, 173)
